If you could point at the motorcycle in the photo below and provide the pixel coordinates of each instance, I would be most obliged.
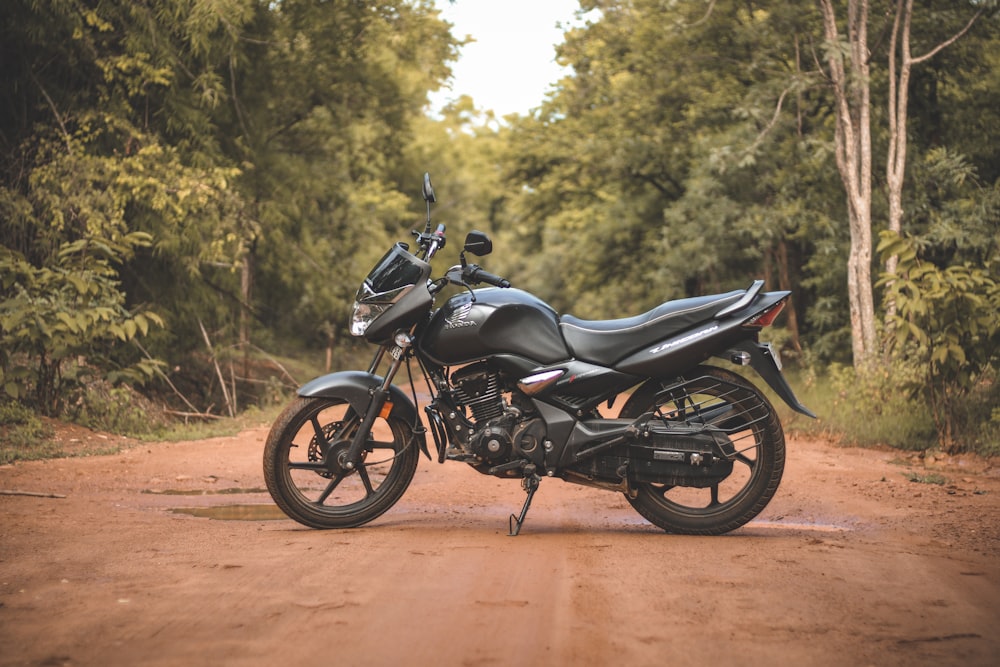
(517, 391)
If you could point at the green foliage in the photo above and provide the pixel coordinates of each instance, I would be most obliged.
(879, 407)
(120, 409)
(947, 325)
(256, 149)
(685, 155)
(691, 149)
(23, 436)
(929, 478)
(72, 309)
(242, 163)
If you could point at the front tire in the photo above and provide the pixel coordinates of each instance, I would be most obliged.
(717, 398)
(303, 471)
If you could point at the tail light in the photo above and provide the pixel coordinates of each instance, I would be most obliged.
(765, 318)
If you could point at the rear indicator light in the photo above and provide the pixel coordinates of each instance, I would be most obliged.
(766, 318)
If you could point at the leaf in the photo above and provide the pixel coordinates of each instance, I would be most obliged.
(78, 283)
(71, 323)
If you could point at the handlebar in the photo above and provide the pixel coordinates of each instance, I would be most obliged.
(475, 274)
(431, 242)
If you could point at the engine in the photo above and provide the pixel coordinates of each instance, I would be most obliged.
(499, 432)
(478, 389)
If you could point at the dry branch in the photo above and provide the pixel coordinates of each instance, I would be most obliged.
(34, 494)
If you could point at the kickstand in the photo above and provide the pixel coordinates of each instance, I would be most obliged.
(530, 485)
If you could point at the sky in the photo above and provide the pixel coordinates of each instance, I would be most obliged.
(511, 65)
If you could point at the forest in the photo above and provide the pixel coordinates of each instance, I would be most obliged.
(192, 190)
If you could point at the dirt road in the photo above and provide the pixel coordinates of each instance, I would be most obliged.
(852, 564)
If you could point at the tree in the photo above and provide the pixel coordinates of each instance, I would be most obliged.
(850, 76)
(667, 165)
(899, 85)
(258, 146)
(849, 70)
(80, 174)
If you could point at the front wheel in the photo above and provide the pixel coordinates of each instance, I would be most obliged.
(303, 464)
(728, 405)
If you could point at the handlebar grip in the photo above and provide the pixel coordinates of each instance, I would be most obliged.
(478, 275)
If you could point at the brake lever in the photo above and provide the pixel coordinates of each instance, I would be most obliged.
(456, 276)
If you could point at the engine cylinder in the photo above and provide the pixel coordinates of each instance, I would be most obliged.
(478, 388)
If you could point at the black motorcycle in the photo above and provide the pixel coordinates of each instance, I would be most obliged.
(517, 390)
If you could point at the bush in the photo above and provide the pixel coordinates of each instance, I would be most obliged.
(23, 436)
(71, 308)
(878, 408)
(945, 326)
(116, 409)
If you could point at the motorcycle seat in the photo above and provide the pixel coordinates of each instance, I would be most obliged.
(604, 342)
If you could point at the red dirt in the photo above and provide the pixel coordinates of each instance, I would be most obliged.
(851, 564)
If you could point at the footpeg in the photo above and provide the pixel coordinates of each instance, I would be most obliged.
(530, 485)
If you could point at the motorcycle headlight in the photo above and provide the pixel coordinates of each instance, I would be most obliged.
(364, 314)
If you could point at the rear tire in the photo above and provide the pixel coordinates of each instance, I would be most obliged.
(302, 464)
(723, 399)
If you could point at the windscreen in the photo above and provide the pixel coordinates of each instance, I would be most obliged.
(398, 268)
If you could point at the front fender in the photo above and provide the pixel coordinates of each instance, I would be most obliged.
(355, 387)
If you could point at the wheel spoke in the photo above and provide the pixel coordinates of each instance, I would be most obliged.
(746, 460)
(725, 417)
(315, 466)
(305, 463)
(715, 496)
(329, 488)
(318, 430)
(363, 473)
(377, 444)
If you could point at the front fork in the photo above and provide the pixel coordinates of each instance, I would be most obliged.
(379, 405)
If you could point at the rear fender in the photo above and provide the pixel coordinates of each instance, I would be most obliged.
(762, 360)
(355, 387)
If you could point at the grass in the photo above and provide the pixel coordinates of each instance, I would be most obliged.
(852, 411)
(197, 429)
(927, 478)
(23, 436)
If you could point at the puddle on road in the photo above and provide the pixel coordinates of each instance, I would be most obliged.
(817, 527)
(201, 492)
(234, 512)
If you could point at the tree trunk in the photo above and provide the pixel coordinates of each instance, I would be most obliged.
(246, 296)
(785, 283)
(899, 90)
(853, 149)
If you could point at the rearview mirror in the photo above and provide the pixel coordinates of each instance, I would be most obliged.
(478, 243)
(428, 189)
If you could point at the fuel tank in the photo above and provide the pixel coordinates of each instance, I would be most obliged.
(494, 321)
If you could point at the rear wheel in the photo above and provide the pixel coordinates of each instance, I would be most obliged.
(727, 403)
(304, 471)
